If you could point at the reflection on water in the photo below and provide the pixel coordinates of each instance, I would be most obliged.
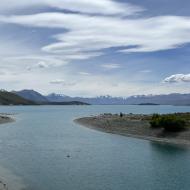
(170, 165)
(166, 148)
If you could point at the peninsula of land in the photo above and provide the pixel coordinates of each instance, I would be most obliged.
(138, 126)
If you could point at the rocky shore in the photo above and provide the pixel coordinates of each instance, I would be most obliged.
(134, 125)
(4, 118)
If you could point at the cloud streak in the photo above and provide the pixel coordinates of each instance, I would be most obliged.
(88, 36)
(103, 7)
(111, 66)
(62, 82)
(57, 81)
(84, 73)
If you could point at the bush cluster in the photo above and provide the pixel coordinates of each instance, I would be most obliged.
(168, 122)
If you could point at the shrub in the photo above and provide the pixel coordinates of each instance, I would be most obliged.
(168, 122)
(172, 123)
(155, 121)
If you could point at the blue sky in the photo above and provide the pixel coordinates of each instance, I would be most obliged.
(92, 48)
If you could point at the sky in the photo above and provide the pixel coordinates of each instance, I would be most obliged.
(92, 48)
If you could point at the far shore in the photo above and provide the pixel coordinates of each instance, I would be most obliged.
(134, 125)
(4, 118)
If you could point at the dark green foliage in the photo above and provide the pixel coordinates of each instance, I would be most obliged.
(170, 122)
(155, 121)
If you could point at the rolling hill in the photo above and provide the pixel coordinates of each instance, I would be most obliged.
(31, 95)
(9, 98)
(39, 99)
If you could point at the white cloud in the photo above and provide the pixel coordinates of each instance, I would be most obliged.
(84, 73)
(97, 85)
(76, 85)
(42, 65)
(146, 71)
(57, 81)
(104, 7)
(36, 61)
(62, 82)
(177, 78)
(103, 24)
(87, 36)
(14, 4)
(111, 66)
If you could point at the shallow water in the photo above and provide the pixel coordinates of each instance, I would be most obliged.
(45, 150)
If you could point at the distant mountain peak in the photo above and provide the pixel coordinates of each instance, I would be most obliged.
(150, 99)
(31, 95)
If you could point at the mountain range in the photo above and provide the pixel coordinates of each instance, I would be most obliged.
(29, 97)
(168, 99)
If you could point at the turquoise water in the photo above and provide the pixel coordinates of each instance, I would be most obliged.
(34, 153)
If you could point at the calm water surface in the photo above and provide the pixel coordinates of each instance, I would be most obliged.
(34, 153)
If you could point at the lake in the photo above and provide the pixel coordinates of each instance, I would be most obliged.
(45, 150)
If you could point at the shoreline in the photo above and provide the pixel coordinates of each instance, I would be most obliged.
(4, 118)
(134, 126)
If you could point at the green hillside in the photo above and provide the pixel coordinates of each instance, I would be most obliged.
(8, 98)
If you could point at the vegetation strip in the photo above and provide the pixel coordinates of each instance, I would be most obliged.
(170, 128)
